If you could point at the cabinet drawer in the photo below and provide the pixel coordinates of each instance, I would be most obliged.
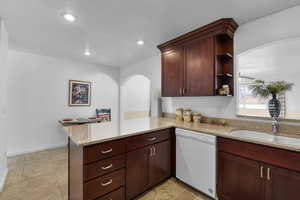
(103, 167)
(270, 155)
(103, 185)
(115, 195)
(104, 150)
(147, 139)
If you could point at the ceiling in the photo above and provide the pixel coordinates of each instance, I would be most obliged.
(111, 28)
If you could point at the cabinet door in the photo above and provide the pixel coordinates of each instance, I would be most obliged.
(172, 72)
(239, 178)
(282, 184)
(137, 172)
(160, 163)
(199, 68)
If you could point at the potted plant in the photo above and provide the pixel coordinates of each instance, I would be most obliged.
(265, 90)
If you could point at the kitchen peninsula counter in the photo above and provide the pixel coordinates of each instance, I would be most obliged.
(88, 134)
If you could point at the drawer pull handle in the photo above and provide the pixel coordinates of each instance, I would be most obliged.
(152, 139)
(107, 167)
(269, 174)
(107, 183)
(107, 151)
(261, 172)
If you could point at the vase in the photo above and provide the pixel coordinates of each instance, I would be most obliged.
(274, 107)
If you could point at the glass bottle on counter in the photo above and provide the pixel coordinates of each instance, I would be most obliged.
(179, 114)
(187, 115)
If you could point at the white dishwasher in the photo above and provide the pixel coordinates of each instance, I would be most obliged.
(196, 160)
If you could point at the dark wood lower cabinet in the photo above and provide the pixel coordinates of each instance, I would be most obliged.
(137, 176)
(282, 184)
(123, 170)
(146, 167)
(120, 169)
(244, 174)
(160, 163)
(239, 178)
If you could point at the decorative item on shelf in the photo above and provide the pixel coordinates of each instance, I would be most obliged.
(265, 90)
(224, 91)
(197, 117)
(179, 114)
(221, 92)
(104, 115)
(187, 115)
(79, 93)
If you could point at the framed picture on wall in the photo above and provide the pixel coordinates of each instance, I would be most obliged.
(79, 93)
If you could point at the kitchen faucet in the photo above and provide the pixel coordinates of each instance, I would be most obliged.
(275, 125)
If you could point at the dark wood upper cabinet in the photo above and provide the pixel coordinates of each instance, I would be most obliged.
(200, 62)
(172, 72)
(199, 71)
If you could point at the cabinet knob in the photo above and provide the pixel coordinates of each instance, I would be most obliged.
(152, 151)
(107, 167)
(152, 139)
(107, 183)
(107, 151)
(180, 92)
(269, 174)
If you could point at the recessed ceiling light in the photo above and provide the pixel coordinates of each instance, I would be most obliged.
(87, 52)
(69, 17)
(140, 42)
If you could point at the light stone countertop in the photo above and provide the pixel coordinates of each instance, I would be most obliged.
(95, 133)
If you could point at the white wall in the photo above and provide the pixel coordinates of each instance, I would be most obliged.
(135, 95)
(38, 98)
(3, 101)
(274, 27)
(149, 68)
(252, 34)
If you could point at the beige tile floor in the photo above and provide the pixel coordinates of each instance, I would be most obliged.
(44, 176)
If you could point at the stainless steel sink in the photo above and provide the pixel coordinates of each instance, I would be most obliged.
(266, 137)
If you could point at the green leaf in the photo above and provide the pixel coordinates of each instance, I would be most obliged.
(261, 89)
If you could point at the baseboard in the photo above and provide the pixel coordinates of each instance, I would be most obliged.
(2, 179)
(10, 154)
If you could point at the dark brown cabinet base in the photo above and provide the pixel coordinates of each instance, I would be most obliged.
(126, 168)
(137, 176)
(249, 171)
(147, 167)
(239, 178)
(121, 169)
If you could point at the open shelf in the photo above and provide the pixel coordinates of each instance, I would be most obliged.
(225, 75)
(225, 57)
(223, 37)
(224, 63)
